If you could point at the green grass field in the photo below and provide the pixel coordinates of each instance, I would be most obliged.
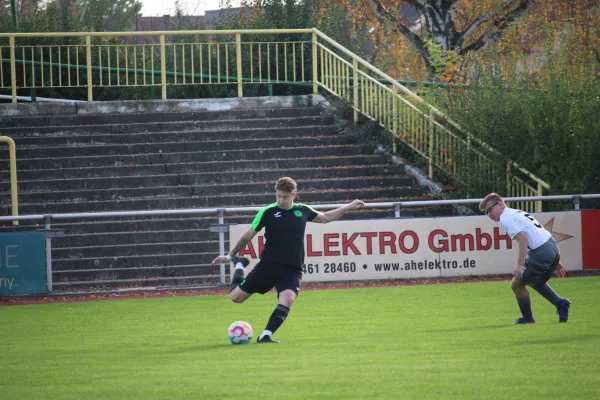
(451, 341)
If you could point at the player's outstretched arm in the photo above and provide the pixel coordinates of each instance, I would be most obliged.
(241, 243)
(560, 270)
(332, 215)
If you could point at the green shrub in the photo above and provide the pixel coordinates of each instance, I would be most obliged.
(547, 122)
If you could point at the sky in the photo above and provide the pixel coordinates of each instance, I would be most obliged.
(152, 8)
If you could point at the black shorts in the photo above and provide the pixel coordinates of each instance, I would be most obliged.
(268, 274)
(540, 264)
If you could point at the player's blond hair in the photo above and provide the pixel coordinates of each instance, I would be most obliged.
(491, 196)
(286, 184)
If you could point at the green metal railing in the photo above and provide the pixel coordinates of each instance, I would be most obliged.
(195, 58)
(243, 57)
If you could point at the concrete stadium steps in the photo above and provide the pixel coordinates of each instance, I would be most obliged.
(161, 158)
(157, 281)
(139, 261)
(211, 167)
(127, 161)
(301, 160)
(125, 118)
(29, 164)
(108, 274)
(154, 190)
(126, 250)
(112, 182)
(330, 138)
(90, 172)
(87, 133)
(245, 133)
(239, 176)
(73, 240)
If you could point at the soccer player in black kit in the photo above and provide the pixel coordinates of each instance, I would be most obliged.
(281, 261)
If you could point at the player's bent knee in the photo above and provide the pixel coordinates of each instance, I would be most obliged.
(239, 299)
(238, 295)
(236, 299)
(515, 283)
(287, 297)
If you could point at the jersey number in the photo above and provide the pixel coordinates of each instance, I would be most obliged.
(535, 223)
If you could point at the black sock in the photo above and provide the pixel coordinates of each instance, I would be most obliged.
(279, 315)
(525, 306)
(548, 294)
(238, 277)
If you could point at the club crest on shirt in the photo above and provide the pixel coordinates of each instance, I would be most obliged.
(298, 213)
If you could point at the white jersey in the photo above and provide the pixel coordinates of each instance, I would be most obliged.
(515, 221)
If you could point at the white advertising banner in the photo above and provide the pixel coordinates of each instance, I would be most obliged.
(418, 248)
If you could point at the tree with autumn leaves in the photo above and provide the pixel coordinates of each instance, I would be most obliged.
(448, 37)
(447, 29)
(533, 69)
(441, 39)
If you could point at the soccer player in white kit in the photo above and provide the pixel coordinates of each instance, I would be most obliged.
(539, 257)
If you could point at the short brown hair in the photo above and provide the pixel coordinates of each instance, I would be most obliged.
(286, 184)
(491, 196)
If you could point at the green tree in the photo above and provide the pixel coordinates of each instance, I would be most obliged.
(546, 122)
(271, 14)
(108, 15)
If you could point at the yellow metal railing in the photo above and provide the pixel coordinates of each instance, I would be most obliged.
(13, 175)
(241, 57)
(154, 59)
(419, 125)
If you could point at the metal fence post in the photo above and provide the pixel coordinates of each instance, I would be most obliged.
(577, 202)
(222, 243)
(47, 219)
(315, 67)
(355, 81)
(431, 143)
(394, 114)
(508, 186)
(13, 69)
(464, 165)
(397, 207)
(163, 66)
(238, 50)
(88, 51)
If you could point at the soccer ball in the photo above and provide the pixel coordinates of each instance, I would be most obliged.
(240, 332)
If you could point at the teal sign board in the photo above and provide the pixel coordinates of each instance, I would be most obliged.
(22, 263)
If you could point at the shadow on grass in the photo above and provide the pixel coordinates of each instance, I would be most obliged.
(210, 347)
(469, 328)
(554, 340)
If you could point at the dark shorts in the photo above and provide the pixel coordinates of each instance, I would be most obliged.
(540, 264)
(267, 275)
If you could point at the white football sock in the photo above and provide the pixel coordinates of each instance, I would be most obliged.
(266, 333)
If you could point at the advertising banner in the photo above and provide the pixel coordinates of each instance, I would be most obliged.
(590, 221)
(22, 263)
(418, 248)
